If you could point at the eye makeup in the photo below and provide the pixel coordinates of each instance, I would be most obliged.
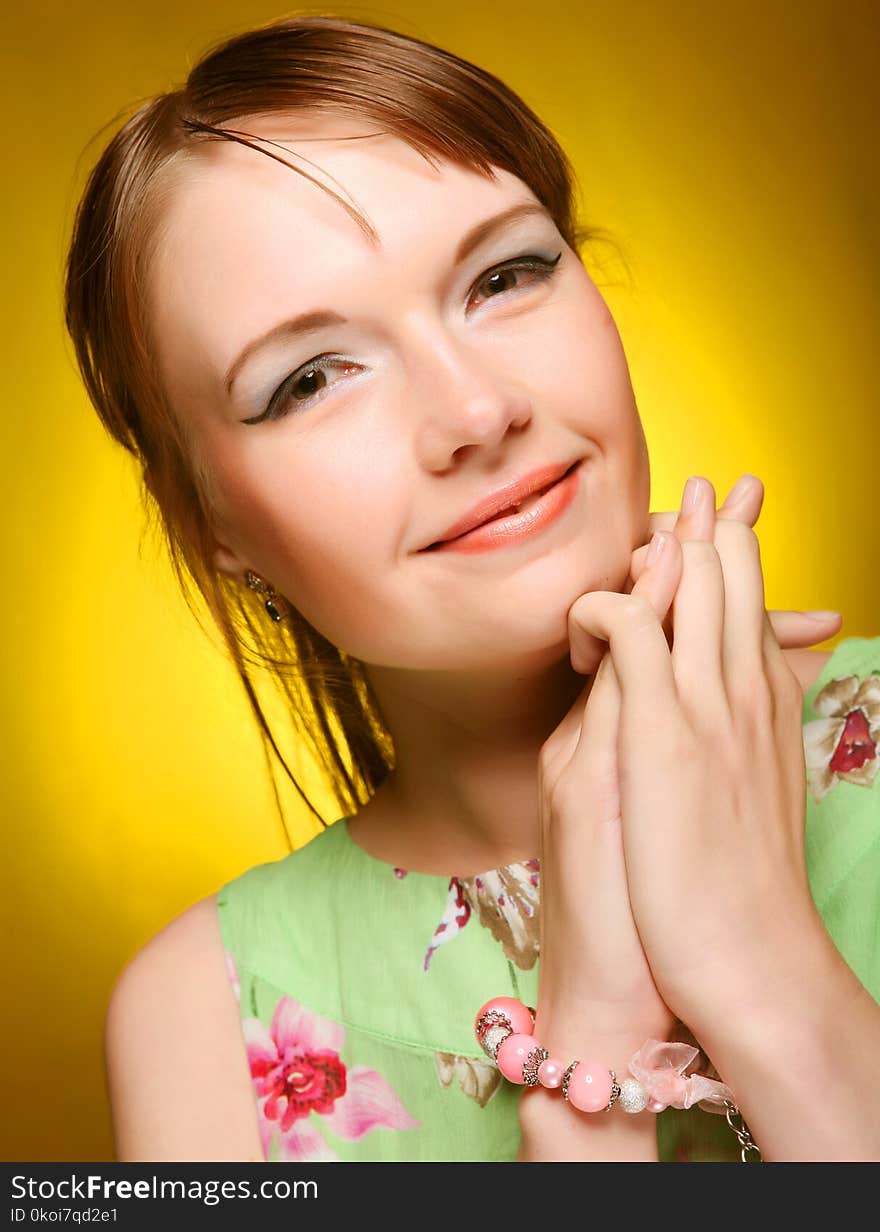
(285, 398)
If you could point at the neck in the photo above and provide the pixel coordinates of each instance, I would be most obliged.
(463, 793)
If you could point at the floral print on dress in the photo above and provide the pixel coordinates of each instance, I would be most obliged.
(843, 743)
(478, 1078)
(301, 1082)
(456, 914)
(505, 900)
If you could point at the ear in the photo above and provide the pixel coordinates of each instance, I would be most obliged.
(227, 560)
(225, 556)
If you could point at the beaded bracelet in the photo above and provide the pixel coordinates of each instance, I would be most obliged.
(505, 1027)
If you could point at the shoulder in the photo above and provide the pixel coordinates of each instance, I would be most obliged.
(191, 944)
(263, 902)
(264, 886)
(807, 664)
(179, 1081)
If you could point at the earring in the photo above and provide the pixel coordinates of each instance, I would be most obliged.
(274, 604)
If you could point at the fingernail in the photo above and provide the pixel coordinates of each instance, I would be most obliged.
(740, 489)
(658, 543)
(691, 495)
(817, 615)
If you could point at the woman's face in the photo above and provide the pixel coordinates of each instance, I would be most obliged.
(440, 380)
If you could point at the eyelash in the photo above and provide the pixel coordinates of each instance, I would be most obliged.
(540, 266)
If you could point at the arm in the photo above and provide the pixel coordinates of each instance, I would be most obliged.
(715, 856)
(580, 822)
(177, 1072)
(803, 1057)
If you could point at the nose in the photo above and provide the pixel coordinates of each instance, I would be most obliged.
(467, 403)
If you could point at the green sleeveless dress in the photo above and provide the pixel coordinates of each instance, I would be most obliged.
(358, 982)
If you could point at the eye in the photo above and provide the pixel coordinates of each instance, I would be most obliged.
(502, 278)
(304, 386)
(308, 384)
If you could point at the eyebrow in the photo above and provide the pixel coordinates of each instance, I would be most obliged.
(311, 322)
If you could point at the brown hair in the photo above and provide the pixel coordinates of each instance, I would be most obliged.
(444, 107)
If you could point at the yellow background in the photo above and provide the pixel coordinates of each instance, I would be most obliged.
(729, 148)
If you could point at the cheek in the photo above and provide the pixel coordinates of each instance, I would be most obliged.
(593, 393)
(325, 538)
(576, 361)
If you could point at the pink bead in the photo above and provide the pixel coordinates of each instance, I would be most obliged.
(520, 1018)
(512, 1055)
(589, 1087)
(550, 1073)
(656, 1105)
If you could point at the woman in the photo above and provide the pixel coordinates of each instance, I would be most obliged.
(338, 383)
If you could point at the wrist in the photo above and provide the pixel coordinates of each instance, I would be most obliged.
(604, 1031)
(614, 1120)
(798, 1060)
(791, 1024)
(807, 979)
(553, 1130)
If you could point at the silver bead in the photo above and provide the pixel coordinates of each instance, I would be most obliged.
(633, 1096)
(492, 1030)
(493, 1039)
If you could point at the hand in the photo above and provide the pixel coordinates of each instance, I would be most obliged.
(793, 629)
(712, 775)
(594, 978)
(593, 967)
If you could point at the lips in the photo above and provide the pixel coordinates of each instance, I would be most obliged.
(506, 499)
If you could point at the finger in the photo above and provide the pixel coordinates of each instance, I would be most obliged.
(664, 520)
(757, 627)
(594, 756)
(694, 521)
(697, 522)
(744, 500)
(698, 607)
(793, 628)
(599, 720)
(798, 629)
(697, 517)
(744, 508)
(748, 642)
(602, 689)
(631, 625)
(743, 504)
(586, 650)
(594, 748)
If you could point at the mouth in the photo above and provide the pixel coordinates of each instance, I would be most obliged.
(516, 519)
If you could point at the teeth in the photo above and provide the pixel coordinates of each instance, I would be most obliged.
(524, 504)
(530, 500)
